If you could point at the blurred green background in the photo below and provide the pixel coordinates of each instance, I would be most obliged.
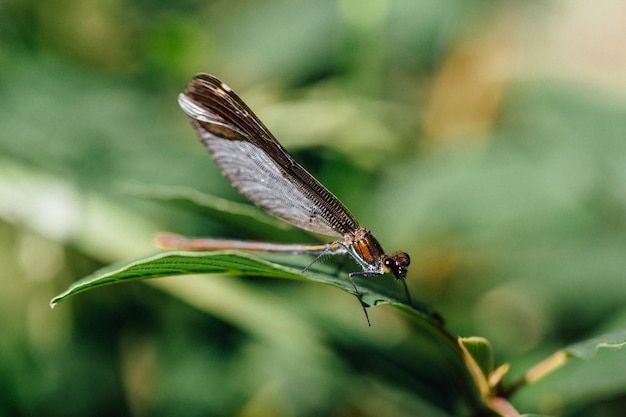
(485, 138)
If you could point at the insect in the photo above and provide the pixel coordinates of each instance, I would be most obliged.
(265, 173)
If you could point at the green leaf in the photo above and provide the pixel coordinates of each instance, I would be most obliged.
(178, 263)
(582, 350)
(373, 292)
(588, 348)
(481, 352)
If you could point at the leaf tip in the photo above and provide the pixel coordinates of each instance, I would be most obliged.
(55, 301)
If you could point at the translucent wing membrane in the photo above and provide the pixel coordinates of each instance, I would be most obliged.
(262, 170)
(256, 164)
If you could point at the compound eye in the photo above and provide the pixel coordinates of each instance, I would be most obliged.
(400, 262)
(403, 259)
(389, 265)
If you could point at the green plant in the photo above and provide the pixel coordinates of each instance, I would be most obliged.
(466, 362)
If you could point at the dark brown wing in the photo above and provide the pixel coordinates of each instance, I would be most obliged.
(256, 164)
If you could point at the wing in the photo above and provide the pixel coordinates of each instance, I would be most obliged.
(256, 164)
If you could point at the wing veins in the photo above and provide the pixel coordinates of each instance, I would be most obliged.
(220, 112)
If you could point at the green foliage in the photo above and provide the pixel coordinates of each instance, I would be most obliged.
(486, 139)
(226, 262)
(475, 352)
(588, 348)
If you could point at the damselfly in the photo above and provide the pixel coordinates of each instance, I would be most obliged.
(264, 172)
